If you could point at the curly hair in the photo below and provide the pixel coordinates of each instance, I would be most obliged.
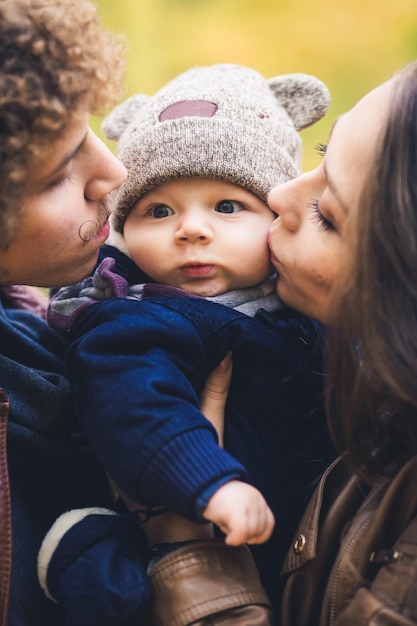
(54, 55)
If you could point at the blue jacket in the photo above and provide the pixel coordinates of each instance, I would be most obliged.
(138, 368)
(51, 468)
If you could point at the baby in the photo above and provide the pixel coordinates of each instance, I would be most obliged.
(186, 279)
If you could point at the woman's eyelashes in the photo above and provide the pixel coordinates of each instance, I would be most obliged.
(321, 149)
(323, 222)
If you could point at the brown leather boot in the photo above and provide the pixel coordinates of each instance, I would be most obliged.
(207, 583)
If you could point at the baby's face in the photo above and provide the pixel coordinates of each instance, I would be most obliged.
(202, 235)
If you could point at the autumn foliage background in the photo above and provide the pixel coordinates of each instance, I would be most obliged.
(351, 45)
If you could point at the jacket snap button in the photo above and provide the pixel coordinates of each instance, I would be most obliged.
(299, 544)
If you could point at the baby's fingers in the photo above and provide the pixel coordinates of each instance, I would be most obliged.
(265, 530)
(254, 527)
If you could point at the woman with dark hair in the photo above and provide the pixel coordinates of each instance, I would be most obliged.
(345, 247)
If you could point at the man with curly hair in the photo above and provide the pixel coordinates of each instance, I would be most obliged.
(57, 65)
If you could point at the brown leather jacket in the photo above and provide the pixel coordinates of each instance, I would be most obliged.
(5, 514)
(354, 559)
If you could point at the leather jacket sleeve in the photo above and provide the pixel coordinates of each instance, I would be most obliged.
(391, 597)
(354, 558)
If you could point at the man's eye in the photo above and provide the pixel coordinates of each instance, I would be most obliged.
(228, 206)
(161, 210)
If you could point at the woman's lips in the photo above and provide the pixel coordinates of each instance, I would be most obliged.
(273, 258)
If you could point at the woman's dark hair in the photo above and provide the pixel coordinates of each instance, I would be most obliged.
(372, 390)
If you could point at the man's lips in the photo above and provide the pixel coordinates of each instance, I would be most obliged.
(104, 230)
(196, 270)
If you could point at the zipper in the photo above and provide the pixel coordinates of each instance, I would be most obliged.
(5, 514)
(338, 568)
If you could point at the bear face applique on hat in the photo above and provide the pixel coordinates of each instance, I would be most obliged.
(224, 121)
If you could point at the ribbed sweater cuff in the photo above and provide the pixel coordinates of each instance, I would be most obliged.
(185, 468)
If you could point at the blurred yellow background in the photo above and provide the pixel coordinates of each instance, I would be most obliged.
(351, 45)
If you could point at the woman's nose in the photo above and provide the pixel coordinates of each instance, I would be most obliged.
(283, 200)
(105, 173)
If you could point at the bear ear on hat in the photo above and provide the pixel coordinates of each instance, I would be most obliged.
(304, 97)
(120, 117)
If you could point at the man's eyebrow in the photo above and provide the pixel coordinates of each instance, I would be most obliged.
(68, 157)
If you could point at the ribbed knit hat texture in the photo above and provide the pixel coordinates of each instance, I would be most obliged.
(223, 121)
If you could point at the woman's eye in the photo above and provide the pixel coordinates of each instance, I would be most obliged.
(321, 149)
(228, 206)
(161, 210)
(318, 216)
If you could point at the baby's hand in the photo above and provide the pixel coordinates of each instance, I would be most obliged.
(240, 511)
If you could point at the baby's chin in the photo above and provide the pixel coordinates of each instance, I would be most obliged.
(205, 291)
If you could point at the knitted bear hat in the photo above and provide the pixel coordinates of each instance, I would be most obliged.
(224, 121)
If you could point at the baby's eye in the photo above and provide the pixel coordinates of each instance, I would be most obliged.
(161, 210)
(228, 206)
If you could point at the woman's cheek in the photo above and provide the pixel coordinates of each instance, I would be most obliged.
(272, 237)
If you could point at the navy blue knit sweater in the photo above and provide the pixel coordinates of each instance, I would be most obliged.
(138, 368)
(51, 468)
